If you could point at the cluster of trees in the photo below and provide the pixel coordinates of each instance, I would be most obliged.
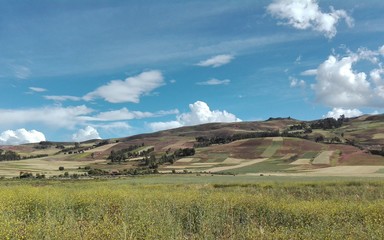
(35, 156)
(329, 123)
(153, 163)
(102, 143)
(44, 145)
(9, 155)
(24, 175)
(127, 153)
(127, 172)
(204, 141)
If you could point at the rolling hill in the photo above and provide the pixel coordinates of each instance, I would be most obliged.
(277, 146)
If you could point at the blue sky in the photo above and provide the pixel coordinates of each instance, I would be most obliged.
(75, 70)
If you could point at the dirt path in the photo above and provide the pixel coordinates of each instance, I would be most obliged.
(323, 158)
(244, 164)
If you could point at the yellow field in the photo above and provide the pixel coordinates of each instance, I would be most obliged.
(116, 209)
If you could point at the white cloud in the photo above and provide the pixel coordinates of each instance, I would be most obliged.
(309, 72)
(337, 112)
(381, 50)
(199, 113)
(88, 133)
(20, 136)
(37, 89)
(306, 14)
(21, 72)
(216, 61)
(55, 116)
(125, 114)
(297, 82)
(375, 113)
(215, 81)
(375, 75)
(63, 98)
(122, 114)
(339, 84)
(128, 90)
(159, 126)
(113, 126)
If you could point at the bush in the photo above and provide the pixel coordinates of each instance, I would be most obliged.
(61, 168)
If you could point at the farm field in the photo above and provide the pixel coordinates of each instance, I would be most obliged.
(193, 207)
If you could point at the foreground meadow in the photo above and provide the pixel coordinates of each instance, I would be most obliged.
(145, 209)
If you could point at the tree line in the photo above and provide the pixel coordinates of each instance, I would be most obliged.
(205, 141)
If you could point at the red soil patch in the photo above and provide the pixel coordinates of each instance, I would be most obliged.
(299, 146)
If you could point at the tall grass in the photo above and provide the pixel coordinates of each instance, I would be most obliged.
(119, 210)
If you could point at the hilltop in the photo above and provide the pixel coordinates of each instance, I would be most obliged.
(277, 146)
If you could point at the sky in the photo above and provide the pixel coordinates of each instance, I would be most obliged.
(87, 69)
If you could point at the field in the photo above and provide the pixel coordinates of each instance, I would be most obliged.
(193, 207)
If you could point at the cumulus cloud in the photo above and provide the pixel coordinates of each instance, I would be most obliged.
(54, 116)
(199, 113)
(37, 89)
(128, 90)
(306, 14)
(294, 82)
(339, 84)
(215, 81)
(216, 61)
(88, 133)
(20, 136)
(337, 112)
(63, 98)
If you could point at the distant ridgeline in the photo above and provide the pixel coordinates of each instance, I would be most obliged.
(296, 130)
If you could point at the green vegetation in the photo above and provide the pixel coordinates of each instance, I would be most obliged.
(116, 209)
(268, 166)
(271, 150)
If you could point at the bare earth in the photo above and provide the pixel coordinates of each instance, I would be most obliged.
(185, 160)
(41, 165)
(243, 164)
(323, 158)
(233, 161)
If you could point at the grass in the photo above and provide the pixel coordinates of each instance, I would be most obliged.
(271, 149)
(145, 208)
(310, 155)
(275, 165)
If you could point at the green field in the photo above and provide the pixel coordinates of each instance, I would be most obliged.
(193, 207)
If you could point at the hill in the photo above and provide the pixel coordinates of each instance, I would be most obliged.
(277, 146)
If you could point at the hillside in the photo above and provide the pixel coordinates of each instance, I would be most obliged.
(279, 146)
